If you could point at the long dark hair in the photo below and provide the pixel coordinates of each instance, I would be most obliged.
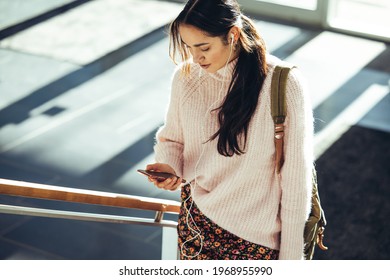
(216, 18)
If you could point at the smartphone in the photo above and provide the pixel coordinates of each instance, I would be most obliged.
(160, 176)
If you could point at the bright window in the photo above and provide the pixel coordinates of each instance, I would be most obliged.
(367, 18)
(362, 16)
(302, 4)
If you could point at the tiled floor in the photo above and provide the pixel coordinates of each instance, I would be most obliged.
(79, 107)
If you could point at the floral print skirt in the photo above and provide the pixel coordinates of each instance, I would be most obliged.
(202, 239)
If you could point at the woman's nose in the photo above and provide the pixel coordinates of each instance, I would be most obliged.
(198, 57)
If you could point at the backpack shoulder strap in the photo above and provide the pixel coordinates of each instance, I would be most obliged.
(278, 108)
(315, 226)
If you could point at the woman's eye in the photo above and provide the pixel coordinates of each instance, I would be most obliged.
(205, 50)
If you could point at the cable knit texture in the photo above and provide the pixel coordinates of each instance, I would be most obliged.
(242, 194)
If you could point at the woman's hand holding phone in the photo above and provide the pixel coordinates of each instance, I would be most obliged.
(163, 182)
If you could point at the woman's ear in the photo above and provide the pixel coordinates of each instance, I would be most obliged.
(234, 34)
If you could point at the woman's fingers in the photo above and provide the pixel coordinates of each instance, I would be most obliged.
(161, 167)
(153, 166)
(170, 184)
(166, 183)
(177, 185)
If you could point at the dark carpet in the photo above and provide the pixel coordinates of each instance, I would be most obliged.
(354, 185)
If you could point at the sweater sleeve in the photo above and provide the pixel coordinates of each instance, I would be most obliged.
(296, 172)
(169, 137)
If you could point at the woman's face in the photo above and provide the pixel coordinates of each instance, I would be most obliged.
(211, 53)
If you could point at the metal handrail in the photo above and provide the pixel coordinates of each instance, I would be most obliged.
(41, 191)
(50, 192)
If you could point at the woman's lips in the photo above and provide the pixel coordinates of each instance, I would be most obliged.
(204, 66)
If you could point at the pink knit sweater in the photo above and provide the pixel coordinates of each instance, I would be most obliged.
(242, 194)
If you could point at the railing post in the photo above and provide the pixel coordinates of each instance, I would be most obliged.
(169, 250)
(159, 216)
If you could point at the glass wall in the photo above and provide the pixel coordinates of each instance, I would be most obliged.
(306, 4)
(367, 18)
(304, 11)
(370, 17)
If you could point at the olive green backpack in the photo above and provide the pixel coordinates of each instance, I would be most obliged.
(315, 225)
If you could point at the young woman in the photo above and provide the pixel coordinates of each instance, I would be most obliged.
(219, 136)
